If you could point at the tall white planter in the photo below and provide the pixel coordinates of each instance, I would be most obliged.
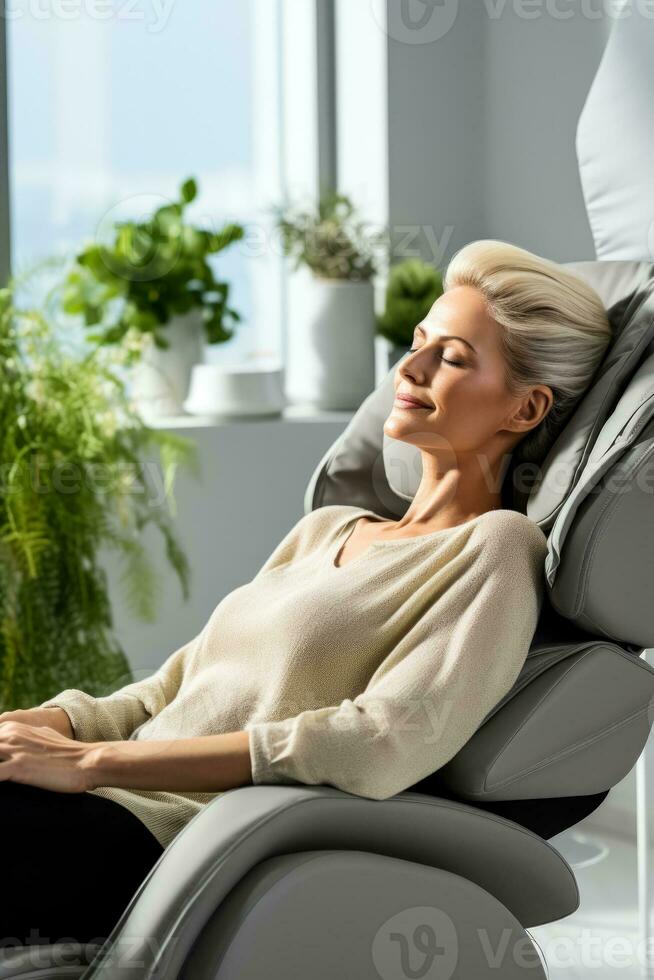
(331, 342)
(161, 378)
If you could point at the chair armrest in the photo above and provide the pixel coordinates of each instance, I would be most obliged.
(244, 826)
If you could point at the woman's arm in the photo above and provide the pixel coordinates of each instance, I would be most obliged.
(205, 764)
(117, 715)
(41, 756)
(49, 717)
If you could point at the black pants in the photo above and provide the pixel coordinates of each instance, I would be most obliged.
(69, 865)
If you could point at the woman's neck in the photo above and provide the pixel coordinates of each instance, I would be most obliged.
(453, 494)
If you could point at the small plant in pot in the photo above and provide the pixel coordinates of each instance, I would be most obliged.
(331, 357)
(152, 288)
(412, 289)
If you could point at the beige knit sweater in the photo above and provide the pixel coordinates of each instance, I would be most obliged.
(366, 677)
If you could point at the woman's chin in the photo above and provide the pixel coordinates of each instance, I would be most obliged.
(407, 431)
(399, 428)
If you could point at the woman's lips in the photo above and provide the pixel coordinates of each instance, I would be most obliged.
(407, 402)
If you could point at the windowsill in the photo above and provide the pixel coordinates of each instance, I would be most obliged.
(292, 413)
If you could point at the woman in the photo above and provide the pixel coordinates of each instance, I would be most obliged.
(364, 653)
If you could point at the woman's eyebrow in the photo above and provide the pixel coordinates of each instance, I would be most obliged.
(449, 336)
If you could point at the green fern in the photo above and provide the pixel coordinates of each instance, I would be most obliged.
(79, 471)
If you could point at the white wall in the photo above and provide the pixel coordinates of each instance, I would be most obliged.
(536, 77)
(436, 133)
(481, 105)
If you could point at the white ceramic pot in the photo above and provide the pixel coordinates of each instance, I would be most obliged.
(331, 343)
(237, 390)
(161, 378)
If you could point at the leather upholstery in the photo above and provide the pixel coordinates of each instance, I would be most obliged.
(563, 732)
(244, 827)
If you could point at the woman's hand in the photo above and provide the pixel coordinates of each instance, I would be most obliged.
(52, 717)
(41, 756)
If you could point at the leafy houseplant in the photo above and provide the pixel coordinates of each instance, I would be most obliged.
(413, 287)
(154, 280)
(73, 481)
(331, 356)
(159, 269)
(328, 239)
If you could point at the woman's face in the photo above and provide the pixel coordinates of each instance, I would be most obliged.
(457, 369)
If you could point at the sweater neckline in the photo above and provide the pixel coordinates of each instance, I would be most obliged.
(351, 523)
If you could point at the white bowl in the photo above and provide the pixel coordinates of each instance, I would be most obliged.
(228, 390)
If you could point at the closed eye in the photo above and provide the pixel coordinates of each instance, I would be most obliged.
(459, 364)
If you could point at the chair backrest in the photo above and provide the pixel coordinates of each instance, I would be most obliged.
(580, 712)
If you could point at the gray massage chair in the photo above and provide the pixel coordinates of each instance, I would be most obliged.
(312, 883)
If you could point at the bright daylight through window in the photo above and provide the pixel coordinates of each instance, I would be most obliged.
(165, 97)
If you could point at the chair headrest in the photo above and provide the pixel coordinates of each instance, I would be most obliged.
(626, 291)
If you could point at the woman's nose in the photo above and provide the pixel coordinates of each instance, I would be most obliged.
(413, 367)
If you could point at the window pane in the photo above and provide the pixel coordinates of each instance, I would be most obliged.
(109, 114)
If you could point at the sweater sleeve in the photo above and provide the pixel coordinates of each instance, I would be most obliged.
(428, 696)
(116, 716)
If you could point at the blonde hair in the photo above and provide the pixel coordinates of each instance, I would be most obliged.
(556, 329)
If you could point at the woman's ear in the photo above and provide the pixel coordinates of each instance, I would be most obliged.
(533, 409)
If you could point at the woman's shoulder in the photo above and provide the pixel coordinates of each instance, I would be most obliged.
(510, 533)
(331, 514)
(315, 524)
(334, 509)
(501, 521)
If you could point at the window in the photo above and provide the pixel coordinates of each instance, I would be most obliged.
(111, 106)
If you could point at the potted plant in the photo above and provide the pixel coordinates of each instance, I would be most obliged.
(331, 351)
(153, 282)
(75, 479)
(412, 289)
